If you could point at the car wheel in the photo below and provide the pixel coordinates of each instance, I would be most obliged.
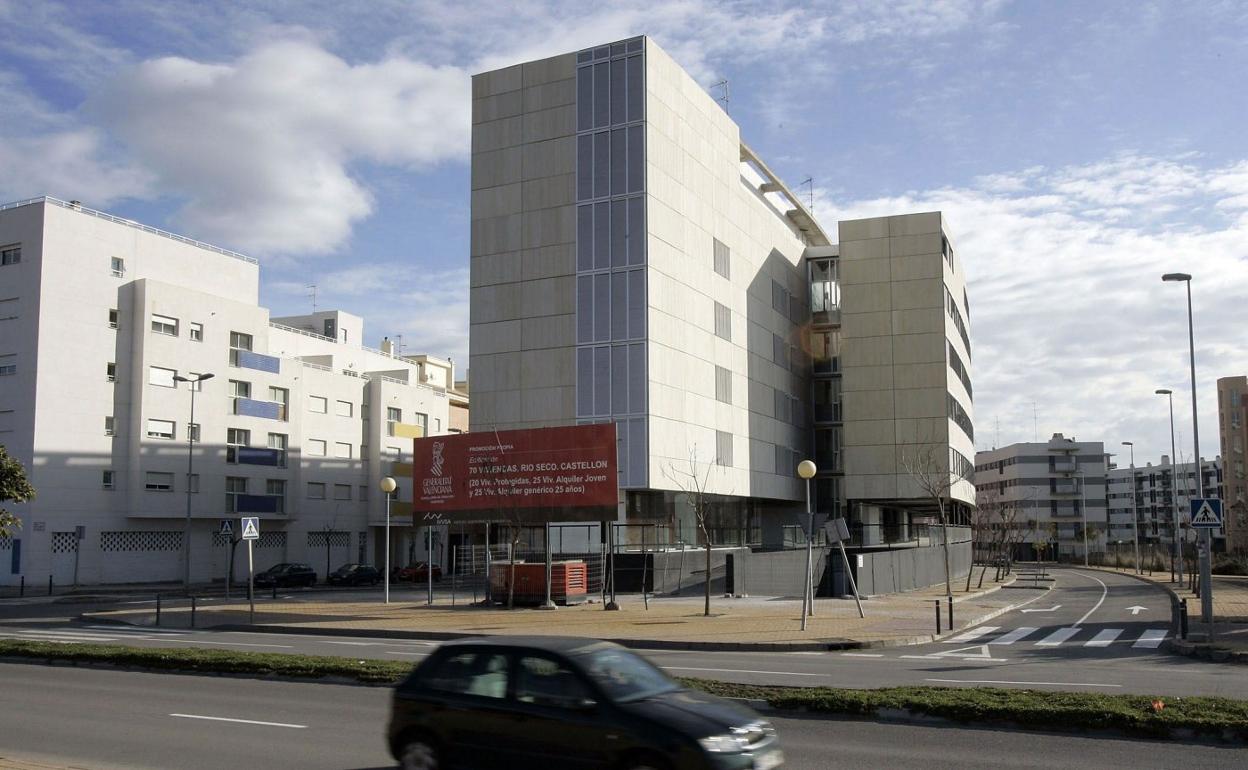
(419, 754)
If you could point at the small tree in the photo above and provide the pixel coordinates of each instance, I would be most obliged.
(14, 488)
(693, 482)
(936, 479)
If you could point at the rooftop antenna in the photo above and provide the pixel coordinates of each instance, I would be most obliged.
(312, 293)
(809, 182)
(399, 345)
(1035, 432)
(724, 85)
(997, 441)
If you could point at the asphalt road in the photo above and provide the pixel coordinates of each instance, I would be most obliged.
(1085, 634)
(112, 719)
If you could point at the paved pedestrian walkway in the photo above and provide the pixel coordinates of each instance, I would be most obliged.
(13, 763)
(752, 622)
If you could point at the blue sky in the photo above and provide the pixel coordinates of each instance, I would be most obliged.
(1079, 149)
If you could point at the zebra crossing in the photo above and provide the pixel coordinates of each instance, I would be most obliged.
(1056, 637)
(87, 634)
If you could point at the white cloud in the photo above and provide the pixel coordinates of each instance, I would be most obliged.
(1068, 307)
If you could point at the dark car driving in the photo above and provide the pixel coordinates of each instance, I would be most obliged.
(354, 575)
(559, 702)
(286, 575)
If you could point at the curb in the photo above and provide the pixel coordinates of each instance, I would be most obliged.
(1205, 652)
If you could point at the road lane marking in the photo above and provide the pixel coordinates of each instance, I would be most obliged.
(240, 721)
(1104, 638)
(359, 644)
(1057, 637)
(228, 644)
(1003, 681)
(403, 652)
(1014, 636)
(125, 630)
(971, 636)
(35, 636)
(742, 671)
(1151, 639)
(1097, 606)
(862, 654)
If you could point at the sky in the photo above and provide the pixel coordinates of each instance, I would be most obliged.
(1079, 150)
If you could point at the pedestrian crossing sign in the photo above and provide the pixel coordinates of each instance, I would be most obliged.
(251, 528)
(1206, 513)
(227, 528)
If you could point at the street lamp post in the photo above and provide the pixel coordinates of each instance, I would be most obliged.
(190, 464)
(1135, 514)
(1206, 551)
(1083, 509)
(807, 470)
(388, 486)
(1177, 560)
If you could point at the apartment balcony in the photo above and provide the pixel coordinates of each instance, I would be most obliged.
(1065, 465)
(245, 359)
(1066, 487)
(245, 455)
(405, 430)
(269, 410)
(258, 504)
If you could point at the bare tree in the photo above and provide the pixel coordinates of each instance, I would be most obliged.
(936, 479)
(693, 482)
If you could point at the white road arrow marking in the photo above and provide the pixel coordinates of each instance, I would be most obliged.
(1137, 609)
(1046, 609)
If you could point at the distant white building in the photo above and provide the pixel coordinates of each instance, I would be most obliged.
(297, 426)
(1155, 500)
(1055, 486)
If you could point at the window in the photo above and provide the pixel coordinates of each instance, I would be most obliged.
(193, 483)
(109, 426)
(110, 371)
(316, 447)
(723, 322)
(722, 259)
(543, 682)
(158, 482)
(393, 415)
(113, 318)
(193, 432)
(437, 425)
(238, 389)
(423, 421)
(11, 255)
(342, 450)
(316, 490)
(278, 442)
(118, 266)
(197, 332)
(161, 377)
(779, 351)
(317, 404)
(8, 364)
(723, 448)
(480, 674)
(160, 429)
(723, 385)
(163, 324)
(825, 297)
(238, 341)
(276, 488)
(343, 409)
(108, 479)
(281, 397)
(342, 491)
(363, 498)
(235, 438)
(234, 486)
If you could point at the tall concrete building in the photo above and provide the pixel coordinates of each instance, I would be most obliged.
(1162, 491)
(634, 261)
(1233, 432)
(1055, 487)
(98, 315)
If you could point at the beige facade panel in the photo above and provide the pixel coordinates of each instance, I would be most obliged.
(491, 304)
(918, 321)
(920, 402)
(548, 261)
(869, 405)
(494, 269)
(497, 337)
(870, 379)
(925, 244)
(915, 224)
(491, 202)
(544, 96)
(497, 167)
(497, 134)
(548, 296)
(919, 348)
(853, 230)
(549, 124)
(495, 371)
(918, 267)
(868, 298)
(548, 406)
(552, 68)
(494, 235)
(497, 81)
(870, 432)
(553, 157)
(549, 192)
(549, 331)
(497, 107)
(547, 227)
(855, 252)
(864, 325)
(909, 295)
(865, 352)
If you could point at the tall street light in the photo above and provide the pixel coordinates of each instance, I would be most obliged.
(1206, 540)
(1135, 514)
(807, 470)
(1176, 562)
(1083, 509)
(388, 485)
(190, 461)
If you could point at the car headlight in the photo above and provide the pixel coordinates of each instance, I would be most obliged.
(738, 739)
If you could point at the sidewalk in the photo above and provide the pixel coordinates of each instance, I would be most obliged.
(11, 763)
(742, 624)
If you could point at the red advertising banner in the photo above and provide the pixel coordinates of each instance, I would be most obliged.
(534, 475)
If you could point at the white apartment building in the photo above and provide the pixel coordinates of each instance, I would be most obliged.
(298, 424)
(633, 260)
(1054, 487)
(1155, 501)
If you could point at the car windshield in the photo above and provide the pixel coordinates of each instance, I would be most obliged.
(625, 676)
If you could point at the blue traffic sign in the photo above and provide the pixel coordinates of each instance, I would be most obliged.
(1206, 513)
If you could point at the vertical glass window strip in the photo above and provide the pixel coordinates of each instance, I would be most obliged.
(636, 88)
(619, 233)
(602, 381)
(619, 306)
(584, 308)
(636, 159)
(723, 322)
(585, 238)
(602, 236)
(723, 385)
(723, 448)
(619, 146)
(584, 99)
(637, 452)
(619, 376)
(721, 260)
(602, 164)
(584, 166)
(636, 304)
(618, 91)
(636, 230)
(602, 91)
(584, 382)
(637, 378)
(602, 307)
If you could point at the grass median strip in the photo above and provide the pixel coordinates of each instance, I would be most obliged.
(1150, 716)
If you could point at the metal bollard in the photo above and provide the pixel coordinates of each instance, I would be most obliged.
(192, 611)
(49, 585)
(950, 613)
(275, 590)
(158, 609)
(937, 616)
(22, 591)
(1183, 618)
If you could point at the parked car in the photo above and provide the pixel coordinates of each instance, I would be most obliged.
(418, 572)
(354, 575)
(567, 703)
(286, 575)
